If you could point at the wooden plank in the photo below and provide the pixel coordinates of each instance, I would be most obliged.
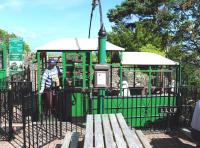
(66, 140)
(143, 139)
(109, 141)
(130, 138)
(98, 132)
(117, 132)
(88, 143)
(74, 140)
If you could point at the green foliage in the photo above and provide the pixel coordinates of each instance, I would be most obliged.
(153, 49)
(4, 37)
(170, 28)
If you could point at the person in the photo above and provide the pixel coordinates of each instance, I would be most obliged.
(195, 124)
(125, 87)
(50, 82)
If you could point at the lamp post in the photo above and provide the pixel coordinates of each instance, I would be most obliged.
(102, 51)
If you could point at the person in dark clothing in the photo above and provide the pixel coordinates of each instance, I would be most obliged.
(50, 82)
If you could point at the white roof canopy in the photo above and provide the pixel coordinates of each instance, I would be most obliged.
(145, 58)
(76, 44)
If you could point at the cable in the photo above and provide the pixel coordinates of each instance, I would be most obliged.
(101, 15)
(91, 16)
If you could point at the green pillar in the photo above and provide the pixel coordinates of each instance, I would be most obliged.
(102, 60)
(91, 73)
(120, 79)
(150, 78)
(63, 68)
(84, 69)
(39, 83)
(4, 58)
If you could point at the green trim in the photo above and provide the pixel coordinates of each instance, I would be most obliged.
(64, 64)
(120, 79)
(102, 60)
(91, 73)
(84, 69)
(39, 83)
(4, 59)
(138, 70)
(149, 83)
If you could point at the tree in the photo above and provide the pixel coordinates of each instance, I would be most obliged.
(4, 37)
(153, 49)
(171, 26)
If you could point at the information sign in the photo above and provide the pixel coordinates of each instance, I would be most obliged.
(16, 46)
(15, 57)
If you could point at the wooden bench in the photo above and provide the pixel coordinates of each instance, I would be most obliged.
(111, 130)
(70, 140)
(187, 133)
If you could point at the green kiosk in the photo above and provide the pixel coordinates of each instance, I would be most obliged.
(77, 68)
(140, 85)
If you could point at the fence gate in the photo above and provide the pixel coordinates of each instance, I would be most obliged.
(5, 116)
(40, 128)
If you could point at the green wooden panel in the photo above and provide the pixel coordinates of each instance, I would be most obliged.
(137, 111)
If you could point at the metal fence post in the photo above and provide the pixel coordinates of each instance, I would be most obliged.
(10, 118)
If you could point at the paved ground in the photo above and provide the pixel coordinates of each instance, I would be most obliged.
(157, 140)
(169, 140)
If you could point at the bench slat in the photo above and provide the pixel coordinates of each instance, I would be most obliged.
(88, 143)
(109, 141)
(98, 132)
(66, 140)
(117, 132)
(74, 140)
(131, 140)
(143, 139)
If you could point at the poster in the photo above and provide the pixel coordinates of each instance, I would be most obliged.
(101, 78)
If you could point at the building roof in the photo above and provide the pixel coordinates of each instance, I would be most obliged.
(76, 44)
(145, 58)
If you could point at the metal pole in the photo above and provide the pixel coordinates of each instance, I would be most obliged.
(4, 60)
(64, 68)
(39, 84)
(102, 60)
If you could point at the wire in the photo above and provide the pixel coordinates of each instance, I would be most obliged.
(91, 16)
(100, 11)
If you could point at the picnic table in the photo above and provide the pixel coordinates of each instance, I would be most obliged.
(111, 130)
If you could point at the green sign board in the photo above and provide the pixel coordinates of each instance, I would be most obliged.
(16, 57)
(16, 46)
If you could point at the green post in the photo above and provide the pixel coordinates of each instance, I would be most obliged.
(63, 68)
(120, 80)
(39, 83)
(4, 59)
(91, 74)
(150, 78)
(84, 69)
(102, 60)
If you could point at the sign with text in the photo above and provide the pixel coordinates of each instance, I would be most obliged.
(16, 46)
(15, 57)
(168, 110)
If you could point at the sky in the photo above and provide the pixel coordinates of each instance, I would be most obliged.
(41, 21)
